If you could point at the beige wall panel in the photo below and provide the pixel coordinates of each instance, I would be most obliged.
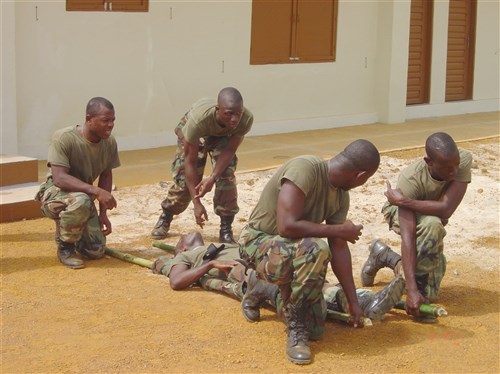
(153, 65)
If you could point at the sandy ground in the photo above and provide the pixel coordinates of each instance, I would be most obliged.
(116, 317)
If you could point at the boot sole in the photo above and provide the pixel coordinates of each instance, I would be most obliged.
(364, 281)
(300, 362)
(248, 319)
(158, 237)
(73, 266)
(245, 316)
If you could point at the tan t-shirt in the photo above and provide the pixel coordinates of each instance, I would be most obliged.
(323, 202)
(194, 259)
(201, 122)
(416, 182)
(85, 160)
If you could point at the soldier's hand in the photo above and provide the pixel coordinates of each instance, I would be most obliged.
(105, 198)
(394, 196)
(204, 187)
(224, 266)
(356, 313)
(200, 214)
(413, 301)
(105, 224)
(350, 231)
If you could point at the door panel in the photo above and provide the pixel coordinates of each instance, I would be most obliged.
(460, 56)
(419, 52)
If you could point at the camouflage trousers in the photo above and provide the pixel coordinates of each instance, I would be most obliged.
(430, 233)
(75, 215)
(232, 286)
(225, 195)
(298, 267)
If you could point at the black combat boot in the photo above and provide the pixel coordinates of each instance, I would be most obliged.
(257, 292)
(380, 256)
(226, 231)
(297, 343)
(376, 305)
(161, 228)
(66, 253)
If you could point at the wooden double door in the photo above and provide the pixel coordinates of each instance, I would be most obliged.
(460, 51)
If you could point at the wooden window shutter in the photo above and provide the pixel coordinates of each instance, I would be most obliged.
(108, 5)
(271, 31)
(290, 31)
(316, 30)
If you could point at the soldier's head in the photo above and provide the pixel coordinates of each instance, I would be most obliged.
(188, 242)
(99, 119)
(229, 108)
(442, 156)
(355, 164)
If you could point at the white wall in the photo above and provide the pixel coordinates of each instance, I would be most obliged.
(487, 66)
(154, 65)
(8, 120)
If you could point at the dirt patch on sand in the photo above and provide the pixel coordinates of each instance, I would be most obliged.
(114, 316)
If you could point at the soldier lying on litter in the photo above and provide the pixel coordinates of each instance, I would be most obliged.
(219, 268)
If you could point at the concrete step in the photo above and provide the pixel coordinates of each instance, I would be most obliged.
(17, 202)
(17, 170)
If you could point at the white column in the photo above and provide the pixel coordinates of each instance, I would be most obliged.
(439, 51)
(8, 107)
(392, 60)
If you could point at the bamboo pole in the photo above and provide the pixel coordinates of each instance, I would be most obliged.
(344, 317)
(129, 258)
(431, 310)
(166, 247)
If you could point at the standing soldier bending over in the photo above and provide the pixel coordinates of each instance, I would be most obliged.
(78, 155)
(427, 194)
(209, 128)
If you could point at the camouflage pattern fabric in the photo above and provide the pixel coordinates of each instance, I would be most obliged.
(233, 286)
(225, 195)
(298, 265)
(75, 213)
(430, 258)
(330, 294)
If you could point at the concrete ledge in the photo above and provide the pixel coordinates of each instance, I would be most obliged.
(18, 203)
(17, 169)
